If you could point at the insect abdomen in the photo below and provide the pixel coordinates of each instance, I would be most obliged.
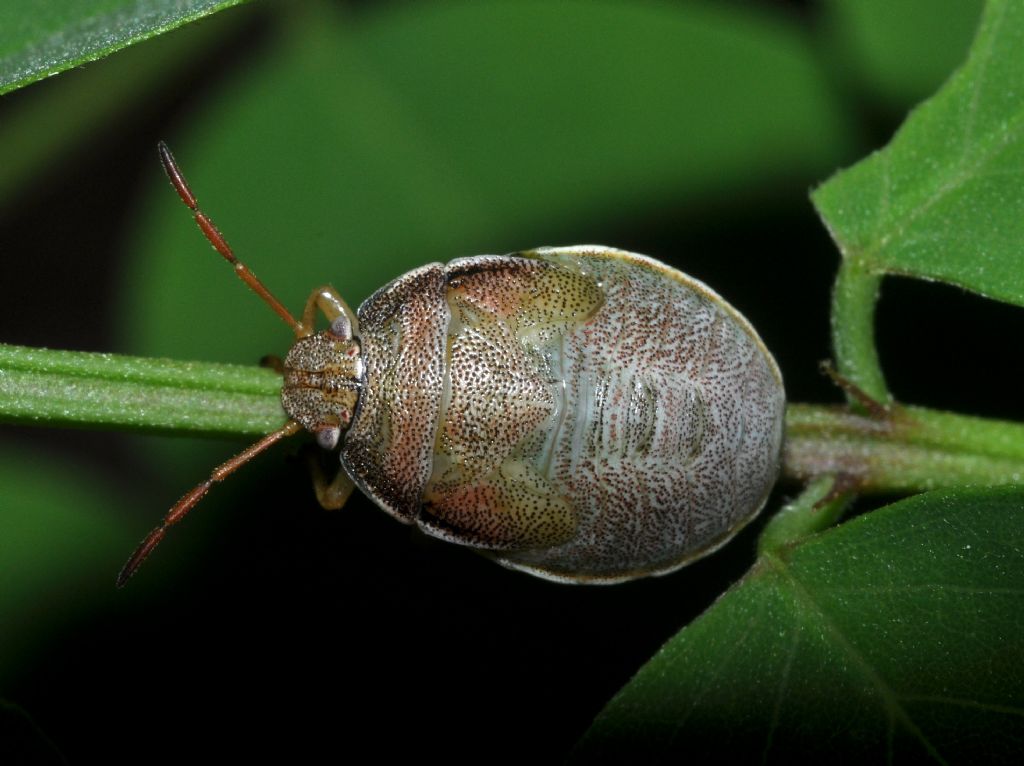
(673, 438)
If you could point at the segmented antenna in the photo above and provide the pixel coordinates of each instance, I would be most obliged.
(217, 239)
(190, 499)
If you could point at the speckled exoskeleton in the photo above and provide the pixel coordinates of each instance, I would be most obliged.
(581, 413)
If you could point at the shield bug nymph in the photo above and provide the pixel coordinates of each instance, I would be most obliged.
(580, 413)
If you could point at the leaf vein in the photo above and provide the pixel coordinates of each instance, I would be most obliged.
(960, 702)
(984, 58)
(780, 696)
(887, 693)
(991, 150)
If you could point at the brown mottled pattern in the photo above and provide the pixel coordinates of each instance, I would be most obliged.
(388, 449)
(584, 414)
(676, 427)
(321, 381)
(500, 391)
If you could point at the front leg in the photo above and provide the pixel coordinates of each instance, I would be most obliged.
(332, 305)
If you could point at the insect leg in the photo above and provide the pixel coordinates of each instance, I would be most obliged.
(331, 494)
(273, 362)
(332, 305)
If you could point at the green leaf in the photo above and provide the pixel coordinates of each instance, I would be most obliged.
(887, 639)
(40, 39)
(356, 148)
(900, 52)
(67, 111)
(943, 200)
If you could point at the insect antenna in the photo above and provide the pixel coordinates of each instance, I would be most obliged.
(217, 239)
(189, 500)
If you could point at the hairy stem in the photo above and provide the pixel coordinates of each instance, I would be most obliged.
(73, 388)
(908, 449)
(853, 329)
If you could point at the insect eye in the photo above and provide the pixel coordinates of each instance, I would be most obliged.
(342, 328)
(328, 437)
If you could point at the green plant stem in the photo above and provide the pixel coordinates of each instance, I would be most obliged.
(72, 388)
(909, 449)
(853, 328)
(818, 507)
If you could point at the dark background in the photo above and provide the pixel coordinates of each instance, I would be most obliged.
(266, 627)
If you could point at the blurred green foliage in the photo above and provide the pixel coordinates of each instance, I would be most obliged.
(897, 53)
(433, 131)
(347, 143)
(53, 527)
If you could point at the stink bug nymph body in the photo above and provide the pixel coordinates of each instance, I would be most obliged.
(580, 413)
